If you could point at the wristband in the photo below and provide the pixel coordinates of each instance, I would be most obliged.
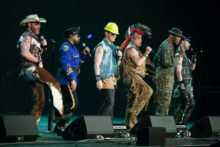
(146, 54)
(182, 86)
(98, 77)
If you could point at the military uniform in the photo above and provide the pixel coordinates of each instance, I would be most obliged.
(70, 61)
(165, 61)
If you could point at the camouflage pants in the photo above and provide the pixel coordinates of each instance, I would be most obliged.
(164, 88)
(37, 77)
(138, 93)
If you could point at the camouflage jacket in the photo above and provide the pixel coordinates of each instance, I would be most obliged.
(165, 59)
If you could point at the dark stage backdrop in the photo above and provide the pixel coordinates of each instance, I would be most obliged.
(198, 19)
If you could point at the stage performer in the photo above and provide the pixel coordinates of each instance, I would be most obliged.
(70, 61)
(107, 60)
(165, 61)
(133, 70)
(31, 49)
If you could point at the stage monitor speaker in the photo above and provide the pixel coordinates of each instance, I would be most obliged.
(18, 128)
(206, 127)
(151, 136)
(217, 144)
(89, 127)
(157, 121)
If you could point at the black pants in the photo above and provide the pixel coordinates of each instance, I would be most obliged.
(184, 111)
(109, 100)
(70, 102)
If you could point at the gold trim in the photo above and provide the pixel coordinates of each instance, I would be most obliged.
(69, 69)
(73, 100)
(69, 73)
(75, 56)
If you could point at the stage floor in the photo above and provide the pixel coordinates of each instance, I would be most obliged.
(52, 139)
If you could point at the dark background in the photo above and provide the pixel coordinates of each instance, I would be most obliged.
(197, 19)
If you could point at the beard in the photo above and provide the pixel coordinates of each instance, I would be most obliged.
(35, 31)
(77, 42)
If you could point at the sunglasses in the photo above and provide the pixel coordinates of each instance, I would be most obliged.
(112, 34)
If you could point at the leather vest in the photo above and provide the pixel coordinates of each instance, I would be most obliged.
(186, 70)
(35, 48)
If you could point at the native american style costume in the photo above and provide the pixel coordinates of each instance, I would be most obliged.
(138, 91)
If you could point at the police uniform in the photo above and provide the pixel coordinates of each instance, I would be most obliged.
(70, 61)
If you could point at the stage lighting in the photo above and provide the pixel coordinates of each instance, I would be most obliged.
(89, 36)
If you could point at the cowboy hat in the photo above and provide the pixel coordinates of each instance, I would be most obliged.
(32, 18)
(176, 32)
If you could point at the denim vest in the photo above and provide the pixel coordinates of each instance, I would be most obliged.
(108, 66)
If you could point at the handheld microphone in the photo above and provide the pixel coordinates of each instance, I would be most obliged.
(84, 46)
(41, 39)
(196, 51)
(118, 48)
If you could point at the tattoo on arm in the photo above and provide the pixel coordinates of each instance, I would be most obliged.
(25, 44)
(135, 58)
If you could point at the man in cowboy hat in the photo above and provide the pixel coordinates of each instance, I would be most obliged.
(32, 70)
(166, 60)
(184, 70)
(70, 62)
(107, 59)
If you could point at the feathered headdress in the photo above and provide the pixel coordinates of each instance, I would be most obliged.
(136, 29)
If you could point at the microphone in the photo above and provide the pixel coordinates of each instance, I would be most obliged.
(41, 39)
(196, 51)
(118, 48)
(84, 46)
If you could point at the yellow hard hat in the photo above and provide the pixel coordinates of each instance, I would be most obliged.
(112, 27)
